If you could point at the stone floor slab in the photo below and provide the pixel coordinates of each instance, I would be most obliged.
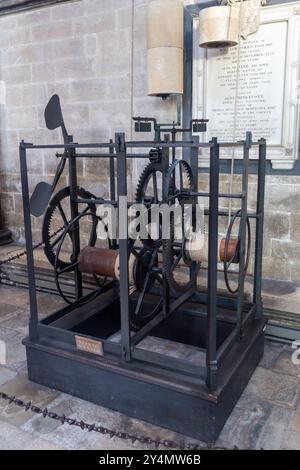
(70, 437)
(285, 365)
(27, 391)
(244, 426)
(295, 424)
(292, 441)
(12, 438)
(271, 354)
(6, 375)
(274, 387)
(275, 429)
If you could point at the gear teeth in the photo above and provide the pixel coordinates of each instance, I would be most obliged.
(46, 229)
(167, 244)
(148, 170)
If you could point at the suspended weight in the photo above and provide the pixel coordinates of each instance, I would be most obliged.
(165, 47)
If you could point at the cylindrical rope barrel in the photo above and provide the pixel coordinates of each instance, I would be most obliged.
(104, 262)
(197, 249)
(100, 261)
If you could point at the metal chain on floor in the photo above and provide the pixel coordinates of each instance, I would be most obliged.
(63, 419)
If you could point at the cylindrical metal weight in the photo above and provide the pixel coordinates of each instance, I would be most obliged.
(165, 24)
(165, 39)
(162, 62)
(219, 27)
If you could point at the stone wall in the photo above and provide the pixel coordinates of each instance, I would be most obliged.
(93, 54)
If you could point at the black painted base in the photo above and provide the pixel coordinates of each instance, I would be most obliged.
(144, 391)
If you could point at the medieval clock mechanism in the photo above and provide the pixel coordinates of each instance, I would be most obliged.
(159, 326)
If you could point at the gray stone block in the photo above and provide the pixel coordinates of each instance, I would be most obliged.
(74, 68)
(274, 268)
(271, 353)
(17, 74)
(285, 365)
(93, 7)
(27, 391)
(245, 425)
(35, 17)
(43, 72)
(295, 227)
(15, 37)
(70, 47)
(286, 250)
(68, 10)
(13, 97)
(91, 45)
(274, 387)
(274, 431)
(295, 423)
(92, 89)
(277, 225)
(292, 441)
(282, 197)
(6, 375)
(34, 94)
(55, 30)
(96, 23)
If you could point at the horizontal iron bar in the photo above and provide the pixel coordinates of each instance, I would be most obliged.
(178, 144)
(137, 144)
(65, 146)
(223, 213)
(111, 155)
(101, 201)
(237, 144)
(221, 195)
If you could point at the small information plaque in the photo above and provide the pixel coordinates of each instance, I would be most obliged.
(89, 345)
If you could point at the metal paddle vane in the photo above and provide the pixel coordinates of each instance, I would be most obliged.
(43, 191)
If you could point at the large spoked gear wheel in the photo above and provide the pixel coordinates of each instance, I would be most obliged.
(178, 191)
(57, 215)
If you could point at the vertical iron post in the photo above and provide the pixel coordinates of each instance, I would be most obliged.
(112, 172)
(165, 167)
(123, 244)
(211, 352)
(112, 182)
(261, 183)
(194, 163)
(242, 237)
(75, 234)
(33, 321)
